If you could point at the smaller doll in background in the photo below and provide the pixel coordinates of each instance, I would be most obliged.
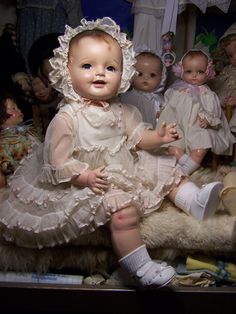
(225, 82)
(147, 85)
(16, 138)
(196, 109)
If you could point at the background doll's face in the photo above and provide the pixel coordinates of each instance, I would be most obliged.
(195, 69)
(16, 116)
(230, 51)
(149, 75)
(95, 67)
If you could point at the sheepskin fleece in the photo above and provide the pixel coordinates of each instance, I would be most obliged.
(167, 234)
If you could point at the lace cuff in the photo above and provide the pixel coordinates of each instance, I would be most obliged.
(137, 134)
(62, 174)
(214, 122)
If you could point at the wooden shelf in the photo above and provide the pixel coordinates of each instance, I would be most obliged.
(42, 298)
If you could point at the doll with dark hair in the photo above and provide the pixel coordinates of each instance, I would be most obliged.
(46, 97)
(147, 85)
(16, 137)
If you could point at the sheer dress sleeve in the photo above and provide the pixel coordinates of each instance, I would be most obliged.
(60, 162)
(134, 125)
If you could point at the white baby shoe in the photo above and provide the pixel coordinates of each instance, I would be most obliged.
(206, 201)
(154, 274)
(146, 272)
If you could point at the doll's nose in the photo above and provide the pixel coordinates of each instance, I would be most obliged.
(146, 76)
(100, 71)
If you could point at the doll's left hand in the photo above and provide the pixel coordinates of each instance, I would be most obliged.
(168, 132)
(203, 123)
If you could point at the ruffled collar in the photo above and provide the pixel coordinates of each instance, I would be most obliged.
(97, 103)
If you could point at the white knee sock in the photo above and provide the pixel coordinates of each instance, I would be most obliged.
(183, 159)
(185, 195)
(189, 165)
(135, 259)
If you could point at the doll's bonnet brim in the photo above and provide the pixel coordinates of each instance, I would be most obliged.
(230, 31)
(60, 77)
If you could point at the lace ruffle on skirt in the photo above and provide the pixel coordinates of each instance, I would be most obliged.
(36, 214)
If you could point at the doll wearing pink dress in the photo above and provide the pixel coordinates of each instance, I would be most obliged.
(196, 109)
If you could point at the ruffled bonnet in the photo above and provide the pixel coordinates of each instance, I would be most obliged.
(178, 67)
(60, 77)
(230, 31)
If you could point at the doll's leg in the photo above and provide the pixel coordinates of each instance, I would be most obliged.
(176, 151)
(200, 203)
(188, 163)
(132, 253)
(193, 162)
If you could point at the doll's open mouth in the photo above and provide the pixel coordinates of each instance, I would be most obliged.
(99, 83)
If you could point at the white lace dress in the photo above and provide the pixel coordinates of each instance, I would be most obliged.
(41, 208)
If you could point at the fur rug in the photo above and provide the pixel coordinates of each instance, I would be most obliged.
(167, 234)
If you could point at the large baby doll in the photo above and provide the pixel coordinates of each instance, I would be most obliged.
(147, 85)
(85, 175)
(197, 112)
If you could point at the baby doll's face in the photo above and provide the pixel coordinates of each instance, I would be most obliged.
(195, 69)
(95, 67)
(149, 73)
(230, 51)
(16, 116)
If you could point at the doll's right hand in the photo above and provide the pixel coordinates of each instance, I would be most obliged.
(96, 180)
(168, 132)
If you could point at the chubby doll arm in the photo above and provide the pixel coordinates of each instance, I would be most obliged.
(60, 149)
(152, 139)
(141, 135)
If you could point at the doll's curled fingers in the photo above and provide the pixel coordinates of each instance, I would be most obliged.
(97, 179)
(168, 132)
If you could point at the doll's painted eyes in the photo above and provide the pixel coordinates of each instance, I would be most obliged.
(191, 72)
(86, 66)
(111, 68)
(151, 74)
